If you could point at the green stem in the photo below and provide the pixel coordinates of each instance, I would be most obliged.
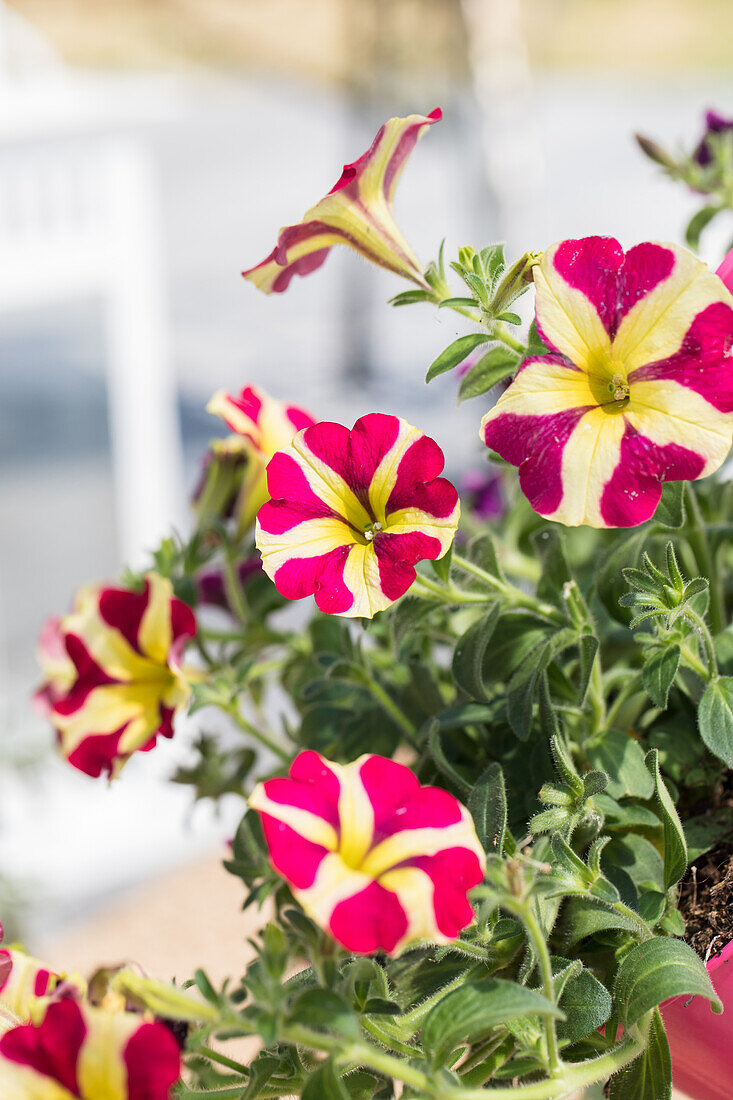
(514, 596)
(694, 662)
(233, 586)
(408, 728)
(502, 333)
(448, 594)
(539, 943)
(223, 1060)
(697, 537)
(708, 646)
(233, 711)
(631, 687)
(641, 927)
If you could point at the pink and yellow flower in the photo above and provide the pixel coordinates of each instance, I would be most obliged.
(75, 1052)
(125, 649)
(357, 212)
(261, 426)
(352, 512)
(636, 388)
(23, 980)
(374, 858)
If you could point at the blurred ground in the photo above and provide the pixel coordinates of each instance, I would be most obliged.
(327, 39)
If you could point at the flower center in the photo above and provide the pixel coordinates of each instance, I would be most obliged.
(372, 529)
(609, 385)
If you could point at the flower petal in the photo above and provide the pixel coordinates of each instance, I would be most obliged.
(657, 325)
(356, 212)
(577, 290)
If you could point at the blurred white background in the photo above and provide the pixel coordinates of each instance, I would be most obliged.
(141, 168)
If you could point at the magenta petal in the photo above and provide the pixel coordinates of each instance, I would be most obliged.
(372, 920)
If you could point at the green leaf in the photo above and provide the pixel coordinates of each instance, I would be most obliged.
(442, 762)
(648, 1077)
(482, 552)
(610, 583)
(409, 297)
(510, 318)
(487, 806)
(468, 657)
(671, 508)
(697, 223)
(587, 1005)
(324, 1084)
(498, 363)
(451, 303)
(587, 649)
(583, 918)
(441, 566)
(524, 684)
(260, 1072)
(455, 353)
(675, 845)
(654, 971)
(658, 674)
(322, 1008)
(622, 759)
(715, 719)
(472, 1012)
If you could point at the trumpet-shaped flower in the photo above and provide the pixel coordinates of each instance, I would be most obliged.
(352, 512)
(636, 388)
(374, 858)
(128, 682)
(261, 426)
(357, 212)
(76, 1052)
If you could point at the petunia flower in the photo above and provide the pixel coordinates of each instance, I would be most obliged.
(261, 426)
(374, 858)
(636, 388)
(76, 1052)
(23, 980)
(715, 123)
(357, 212)
(126, 649)
(352, 512)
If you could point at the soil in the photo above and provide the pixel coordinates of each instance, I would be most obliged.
(706, 901)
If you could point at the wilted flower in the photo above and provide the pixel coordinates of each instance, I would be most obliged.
(261, 425)
(126, 649)
(357, 212)
(637, 387)
(76, 1052)
(352, 512)
(374, 858)
(714, 124)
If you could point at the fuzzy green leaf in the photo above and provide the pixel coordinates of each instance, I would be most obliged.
(455, 353)
(498, 363)
(587, 1005)
(658, 674)
(715, 719)
(472, 1012)
(622, 759)
(487, 806)
(468, 657)
(648, 1077)
(675, 845)
(654, 971)
(325, 1085)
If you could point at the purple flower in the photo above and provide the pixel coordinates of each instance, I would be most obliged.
(483, 493)
(714, 124)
